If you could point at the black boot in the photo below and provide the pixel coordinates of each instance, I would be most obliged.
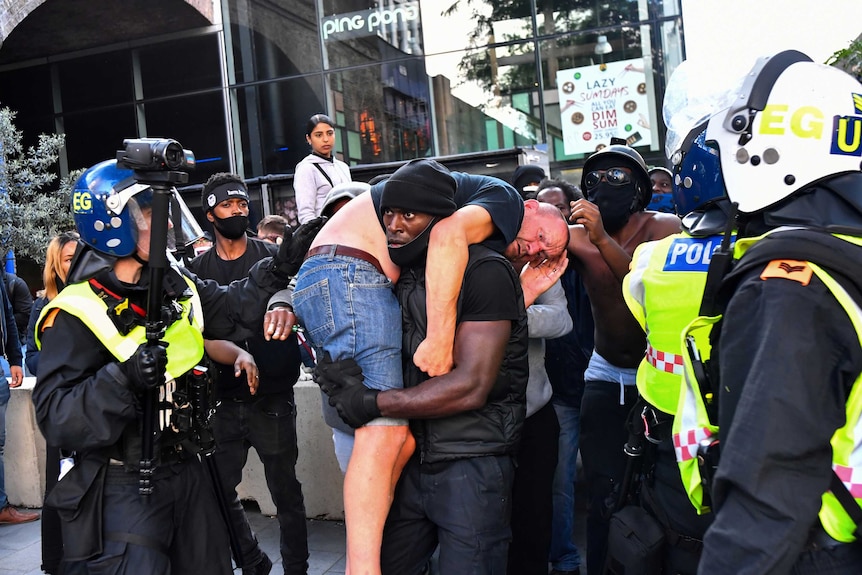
(263, 567)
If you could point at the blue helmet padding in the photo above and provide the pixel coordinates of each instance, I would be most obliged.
(697, 178)
(111, 233)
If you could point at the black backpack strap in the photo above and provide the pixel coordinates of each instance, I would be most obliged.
(325, 175)
(845, 498)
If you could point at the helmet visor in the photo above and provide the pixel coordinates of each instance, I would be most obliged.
(693, 94)
(186, 233)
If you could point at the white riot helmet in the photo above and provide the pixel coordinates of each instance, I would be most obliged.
(792, 122)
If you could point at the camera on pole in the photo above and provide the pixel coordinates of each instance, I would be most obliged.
(146, 155)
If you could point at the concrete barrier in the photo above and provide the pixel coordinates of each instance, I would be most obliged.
(24, 456)
(317, 468)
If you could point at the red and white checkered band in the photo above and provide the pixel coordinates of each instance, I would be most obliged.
(664, 360)
(851, 478)
(685, 443)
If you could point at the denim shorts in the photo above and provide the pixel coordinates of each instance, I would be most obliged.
(349, 309)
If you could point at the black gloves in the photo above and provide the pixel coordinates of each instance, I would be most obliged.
(342, 382)
(293, 247)
(146, 368)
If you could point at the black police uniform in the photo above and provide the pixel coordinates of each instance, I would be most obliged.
(789, 356)
(84, 404)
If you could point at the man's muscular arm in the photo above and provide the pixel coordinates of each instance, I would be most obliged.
(447, 260)
(479, 349)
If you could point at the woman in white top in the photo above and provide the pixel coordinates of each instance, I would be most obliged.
(318, 171)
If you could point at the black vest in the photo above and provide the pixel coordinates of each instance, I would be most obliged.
(496, 427)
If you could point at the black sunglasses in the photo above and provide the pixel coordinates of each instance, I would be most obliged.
(613, 176)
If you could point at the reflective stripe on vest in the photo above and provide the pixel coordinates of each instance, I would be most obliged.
(663, 292)
(691, 423)
(184, 337)
(664, 360)
(847, 441)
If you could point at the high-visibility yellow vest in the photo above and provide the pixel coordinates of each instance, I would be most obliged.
(691, 423)
(663, 290)
(184, 337)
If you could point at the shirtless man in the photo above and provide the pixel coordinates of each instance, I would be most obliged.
(349, 261)
(609, 225)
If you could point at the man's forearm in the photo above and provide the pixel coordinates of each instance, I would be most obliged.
(615, 256)
(447, 260)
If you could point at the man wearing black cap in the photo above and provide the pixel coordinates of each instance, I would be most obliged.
(347, 280)
(267, 420)
(526, 180)
(455, 490)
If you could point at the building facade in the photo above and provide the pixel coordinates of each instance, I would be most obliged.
(235, 80)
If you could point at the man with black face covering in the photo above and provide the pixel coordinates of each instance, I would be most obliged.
(608, 225)
(267, 420)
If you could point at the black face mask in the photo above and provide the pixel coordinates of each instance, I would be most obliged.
(232, 228)
(412, 254)
(615, 205)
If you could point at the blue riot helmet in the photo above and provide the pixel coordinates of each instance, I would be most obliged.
(109, 206)
(697, 179)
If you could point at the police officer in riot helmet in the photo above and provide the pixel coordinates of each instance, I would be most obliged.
(106, 355)
(787, 493)
(664, 291)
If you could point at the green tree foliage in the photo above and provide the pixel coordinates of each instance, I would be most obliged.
(849, 59)
(32, 207)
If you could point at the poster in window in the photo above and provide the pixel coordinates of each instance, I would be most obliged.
(601, 102)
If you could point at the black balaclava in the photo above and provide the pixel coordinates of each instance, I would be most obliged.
(421, 186)
(616, 203)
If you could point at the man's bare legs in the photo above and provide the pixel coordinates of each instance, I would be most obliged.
(380, 453)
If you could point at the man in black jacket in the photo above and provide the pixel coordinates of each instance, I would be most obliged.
(101, 371)
(266, 420)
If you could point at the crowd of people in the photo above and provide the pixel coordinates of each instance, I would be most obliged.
(471, 337)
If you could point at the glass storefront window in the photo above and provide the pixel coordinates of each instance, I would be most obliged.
(183, 66)
(401, 78)
(27, 92)
(387, 110)
(270, 40)
(108, 81)
(198, 123)
(273, 117)
(381, 31)
(94, 136)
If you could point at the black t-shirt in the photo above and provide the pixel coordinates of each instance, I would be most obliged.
(499, 199)
(478, 304)
(277, 361)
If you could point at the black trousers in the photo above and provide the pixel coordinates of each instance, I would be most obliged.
(267, 423)
(667, 492)
(463, 505)
(176, 530)
(603, 436)
(52, 535)
(532, 493)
